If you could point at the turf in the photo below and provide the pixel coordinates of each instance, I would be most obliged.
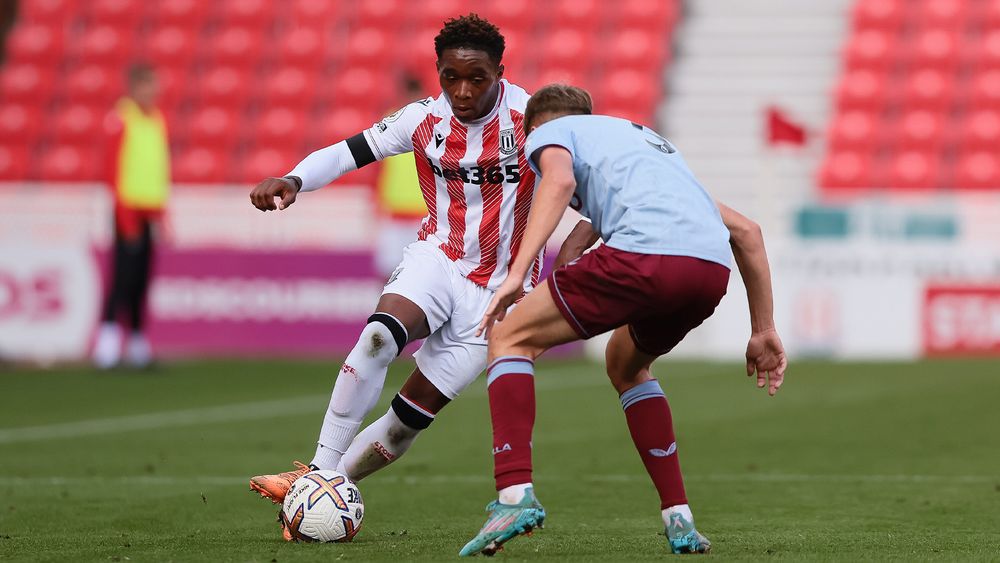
(849, 462)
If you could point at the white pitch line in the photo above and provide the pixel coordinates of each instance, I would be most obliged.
(222, 480)
(166, 419)
(309, 404)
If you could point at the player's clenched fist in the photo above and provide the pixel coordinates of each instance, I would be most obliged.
(262, 197)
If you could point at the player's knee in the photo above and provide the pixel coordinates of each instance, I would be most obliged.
(622, 372)
(508, 342)
(383, 338)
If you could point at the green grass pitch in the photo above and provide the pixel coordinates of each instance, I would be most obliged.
(848, 462)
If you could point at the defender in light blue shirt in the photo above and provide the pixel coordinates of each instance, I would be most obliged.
(635, 188)
(662, 271)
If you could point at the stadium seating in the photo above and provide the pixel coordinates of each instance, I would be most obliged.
(248, 86)
(918, 98)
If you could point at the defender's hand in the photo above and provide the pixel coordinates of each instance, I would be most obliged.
(508, 292)
(262, 197)
(766, 357)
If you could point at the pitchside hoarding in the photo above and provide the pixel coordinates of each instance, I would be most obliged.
(873, 278)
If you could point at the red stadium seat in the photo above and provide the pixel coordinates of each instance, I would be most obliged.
(25, 82)
(36, 43)
(201, 165)
(304, 47)
(862, 89)
(247, 13)
(262, 162)
(171, 46)
(280, 127)
(915, 170)
(48, 11)
(118, 14)
(314, 13)
(986, 90)
(14, 161)
(20, 122)
(214, 125)
(987, 50)
(978, 170)
(921, 130)
(222, 85)
(938, 48)
(106, 45)
(512, 16)
(656, 16)
(636, 48)
(94, 84)
(338, 124)
(235, 46)
(942, 13)
(359, 86)
(628, 89)
(78, 124)
(567, 48)
(980, 130)
(854, 130)
(548, 75)
(581, 15)
(870, 49)
(291, 87)
(847, 169)
(368, 45)
(68, 163)
(929, 89)
(878, 14)
(435, 12)
(988, 12)
(382, 10)
(189, 14)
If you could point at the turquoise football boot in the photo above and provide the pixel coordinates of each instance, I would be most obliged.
(683, 538)
(506, 522)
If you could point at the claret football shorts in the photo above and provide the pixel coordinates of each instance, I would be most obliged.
(661, 298)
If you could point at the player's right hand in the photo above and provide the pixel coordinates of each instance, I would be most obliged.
(766, 357)
(262, 196)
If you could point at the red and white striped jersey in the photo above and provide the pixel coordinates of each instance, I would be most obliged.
(474, 177)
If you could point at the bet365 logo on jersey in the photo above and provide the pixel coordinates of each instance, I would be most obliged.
(477, 175)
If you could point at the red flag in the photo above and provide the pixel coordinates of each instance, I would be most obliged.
(781, 130)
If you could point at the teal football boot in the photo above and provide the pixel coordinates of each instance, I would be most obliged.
(506, 522)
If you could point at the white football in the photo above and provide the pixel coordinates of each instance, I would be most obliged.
(323, 506)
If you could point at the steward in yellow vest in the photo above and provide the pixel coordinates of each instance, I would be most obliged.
(139, 176)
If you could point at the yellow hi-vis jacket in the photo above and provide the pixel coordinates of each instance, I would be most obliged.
(142, 177)
(399, 192)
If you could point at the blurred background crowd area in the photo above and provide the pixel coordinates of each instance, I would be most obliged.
(864, 135)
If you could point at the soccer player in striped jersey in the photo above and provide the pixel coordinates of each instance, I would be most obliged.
(661, 272)
(468, 144)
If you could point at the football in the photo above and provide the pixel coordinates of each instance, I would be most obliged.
(322, 506)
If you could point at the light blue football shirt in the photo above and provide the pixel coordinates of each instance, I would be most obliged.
(635, 188)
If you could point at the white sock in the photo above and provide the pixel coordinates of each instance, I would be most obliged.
(108, 348)
(378, 445)
(683, 510)
(513, 494)
(137, 350)
(355, 393)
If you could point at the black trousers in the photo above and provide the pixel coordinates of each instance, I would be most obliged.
(130, 273)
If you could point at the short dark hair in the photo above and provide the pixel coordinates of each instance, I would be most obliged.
(471, 32)
(139, 72)
(560, 99)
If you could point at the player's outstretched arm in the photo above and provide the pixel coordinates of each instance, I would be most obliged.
(765, 353)
(551, 199)
(579, 241)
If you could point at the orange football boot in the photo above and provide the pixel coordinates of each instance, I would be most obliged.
(275, 487)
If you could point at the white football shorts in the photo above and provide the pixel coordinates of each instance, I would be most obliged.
(452, 356)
